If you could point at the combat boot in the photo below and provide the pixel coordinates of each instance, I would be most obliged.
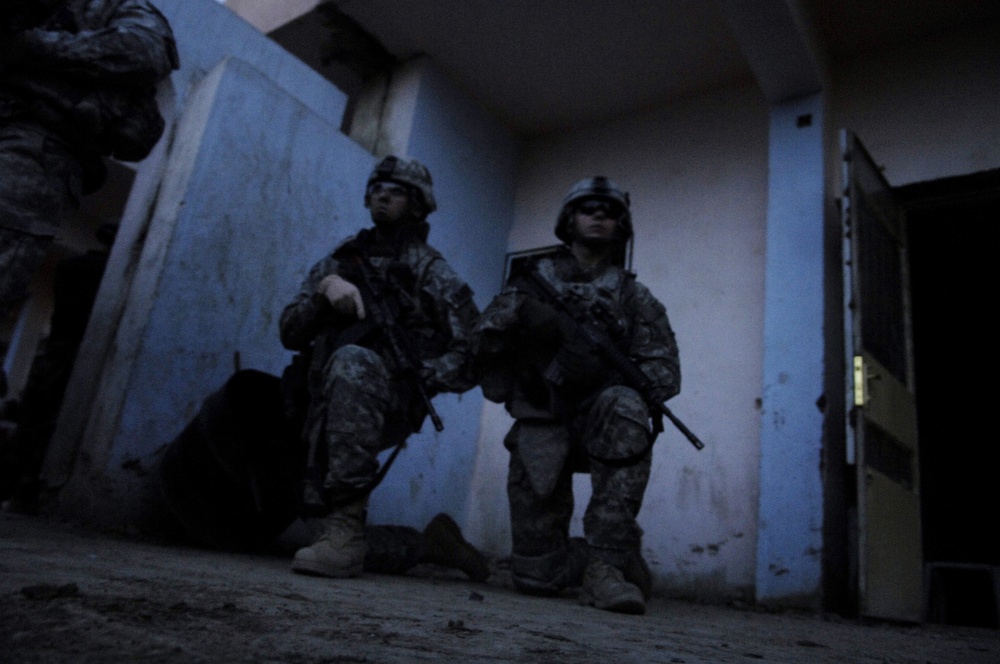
(444, 545)
(635, 570)
(340, 550)
(605, 587)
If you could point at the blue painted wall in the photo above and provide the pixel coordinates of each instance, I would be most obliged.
(791, 492)
(257, 188)
(208, 32)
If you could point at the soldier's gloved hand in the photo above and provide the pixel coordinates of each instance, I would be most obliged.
(538, 320)
(344, 296)
(661, 393)
(582, 369)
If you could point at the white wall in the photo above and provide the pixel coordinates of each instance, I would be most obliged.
(697, 174)
(927, 111)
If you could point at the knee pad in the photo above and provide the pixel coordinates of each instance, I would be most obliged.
(619, 428)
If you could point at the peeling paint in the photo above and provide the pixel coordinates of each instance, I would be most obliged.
(714, 549)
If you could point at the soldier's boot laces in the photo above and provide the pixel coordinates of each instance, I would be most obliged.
(444, 545)
(605, 587)
(340, 550)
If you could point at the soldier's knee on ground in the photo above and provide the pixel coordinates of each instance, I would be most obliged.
(550, 573)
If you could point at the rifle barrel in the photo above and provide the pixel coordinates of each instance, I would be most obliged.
(682, 427)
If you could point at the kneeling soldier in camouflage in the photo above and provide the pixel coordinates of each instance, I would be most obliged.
(575, 412)
(385, 324)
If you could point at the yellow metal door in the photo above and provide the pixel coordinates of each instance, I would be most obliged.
(882, 427)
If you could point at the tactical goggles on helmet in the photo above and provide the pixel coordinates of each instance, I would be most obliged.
(593, 206)
(378, 187)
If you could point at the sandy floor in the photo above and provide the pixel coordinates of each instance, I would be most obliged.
(71, 596)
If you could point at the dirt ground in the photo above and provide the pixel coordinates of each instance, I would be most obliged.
(72, 596)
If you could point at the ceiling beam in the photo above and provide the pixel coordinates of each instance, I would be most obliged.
(777, 42)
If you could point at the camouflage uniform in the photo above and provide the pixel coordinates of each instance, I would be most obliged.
(602, 428)
(359, 404)
(77, 83)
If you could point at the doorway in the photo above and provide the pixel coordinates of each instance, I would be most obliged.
(954, 231)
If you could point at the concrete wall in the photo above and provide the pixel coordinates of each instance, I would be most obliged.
(790, 525)
(256, 188)
(697, 173)
(206, 33)
(928, 110)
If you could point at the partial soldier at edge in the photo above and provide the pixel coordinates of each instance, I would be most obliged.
(78, 82)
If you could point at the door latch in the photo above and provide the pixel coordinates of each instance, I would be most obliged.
(860, 382)
(863, 374)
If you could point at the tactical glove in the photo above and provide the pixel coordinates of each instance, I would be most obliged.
(660, 394)
(344, 296)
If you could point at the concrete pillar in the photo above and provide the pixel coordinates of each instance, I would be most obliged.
(790, 541)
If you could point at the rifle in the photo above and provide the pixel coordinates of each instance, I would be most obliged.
(384, 311)
(604, 346)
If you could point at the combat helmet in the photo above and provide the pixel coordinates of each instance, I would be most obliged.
(595, 187)
(409, 172)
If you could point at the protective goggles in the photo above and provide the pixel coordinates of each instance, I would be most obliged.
(391, 188)
(593, 206)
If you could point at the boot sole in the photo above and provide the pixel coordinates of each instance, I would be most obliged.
(629, 605)
(315, 569)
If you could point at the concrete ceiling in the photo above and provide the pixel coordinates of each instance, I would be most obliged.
(544, 65)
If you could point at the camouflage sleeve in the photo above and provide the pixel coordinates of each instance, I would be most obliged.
(302, 319)
(137, 45)
(653, 346)
(497, 323)
(452, 371)
(492, 343)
